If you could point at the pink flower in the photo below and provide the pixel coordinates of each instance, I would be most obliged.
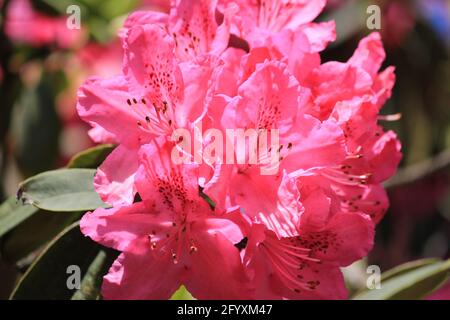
(352, 94)
(256, 20)
(155, 94)
(24, 24)
(171, 238)
(146, 101)
(192, 26)
(305, 142)
(306, 266)
(296, 253)
(282, 235)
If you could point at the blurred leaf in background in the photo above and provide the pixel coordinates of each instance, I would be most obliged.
(36, 128)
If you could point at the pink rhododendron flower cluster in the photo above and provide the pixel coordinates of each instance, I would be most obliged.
(224, 230)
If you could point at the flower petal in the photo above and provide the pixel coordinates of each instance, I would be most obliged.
(99, 101)
(150, 65)
(195, 30)
(114, 180)
(141, 277)
(217, 271)
(122, 228)
(370, 54)
(346, 238)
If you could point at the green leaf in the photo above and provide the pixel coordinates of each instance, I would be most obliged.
(407, 267)
(12, 213)
(410, 283)
(91, 283)
(182, 294)
(47, 277)
(208, 200)
(110, 9)
(91, 158)
(63, 190)
(36, 127)
(18, 246)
